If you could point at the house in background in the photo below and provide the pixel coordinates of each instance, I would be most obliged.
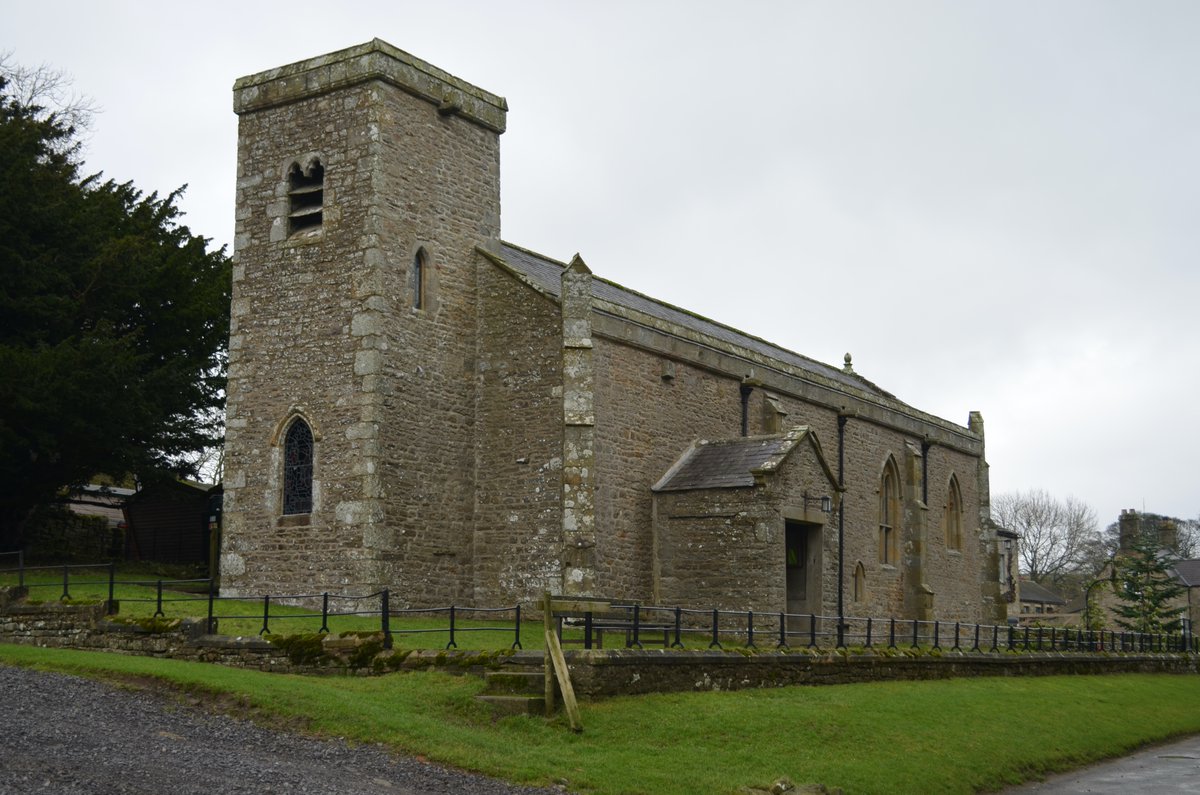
(1104, 597)
(1038, 602)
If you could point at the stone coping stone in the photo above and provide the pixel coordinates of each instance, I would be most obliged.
(772, 657)
(232, 642)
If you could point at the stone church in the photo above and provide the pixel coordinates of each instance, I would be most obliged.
(415, 403)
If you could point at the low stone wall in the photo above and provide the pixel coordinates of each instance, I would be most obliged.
(595, 673)
(599, 673)
(88, 627)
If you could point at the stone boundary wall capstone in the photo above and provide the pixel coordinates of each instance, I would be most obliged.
(600, 673)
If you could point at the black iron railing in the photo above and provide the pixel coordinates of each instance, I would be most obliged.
(677, 627)
(748, 629)
(170, 594)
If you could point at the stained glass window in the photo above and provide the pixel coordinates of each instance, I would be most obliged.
(298, 469)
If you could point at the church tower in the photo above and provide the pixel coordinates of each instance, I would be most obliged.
(366, 180)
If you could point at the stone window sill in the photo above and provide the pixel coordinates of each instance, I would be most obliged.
(294, 520)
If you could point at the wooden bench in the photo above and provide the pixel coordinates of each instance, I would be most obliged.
(598, 615)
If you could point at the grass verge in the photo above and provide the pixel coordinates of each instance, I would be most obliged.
(954, 736)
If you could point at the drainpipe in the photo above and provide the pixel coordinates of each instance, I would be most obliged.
(841, 589)
(748, 384)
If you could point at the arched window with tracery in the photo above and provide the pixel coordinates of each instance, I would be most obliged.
(298, 468)
(889, 513)
(952, 521)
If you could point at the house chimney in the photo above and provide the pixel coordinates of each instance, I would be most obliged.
(1168, 535)
(1129, 528)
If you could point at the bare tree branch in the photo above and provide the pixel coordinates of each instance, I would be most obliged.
(1055, 534)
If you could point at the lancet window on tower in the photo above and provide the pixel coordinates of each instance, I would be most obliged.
(306, 196)
(298, 468)
(418, 279)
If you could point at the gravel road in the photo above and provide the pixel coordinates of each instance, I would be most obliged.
(67, 736)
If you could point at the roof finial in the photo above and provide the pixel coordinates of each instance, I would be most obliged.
(848, 368)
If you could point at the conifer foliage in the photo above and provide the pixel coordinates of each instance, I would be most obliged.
(114, 319)
(1146, 587)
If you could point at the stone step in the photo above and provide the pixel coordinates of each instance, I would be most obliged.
(514, 704)
(515, 682)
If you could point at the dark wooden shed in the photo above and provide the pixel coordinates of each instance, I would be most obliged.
(170, 521)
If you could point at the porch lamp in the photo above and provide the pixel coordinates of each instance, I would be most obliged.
(826, 503)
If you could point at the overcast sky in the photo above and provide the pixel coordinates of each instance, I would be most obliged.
(992, 206)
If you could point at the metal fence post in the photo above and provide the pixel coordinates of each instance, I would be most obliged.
(937, 632)
(678, 643)
(266, 615)
(868, 644)
(324, 613)
(892, 632)
(637, 624)
(385, 614)
(452, 644)
(916, 629)
(66, 594)
(517, 630)
(812, 630)
(749, 629)
(112, 576)
(716, 619)
(212, 593)
(783, 644)
(158, 611)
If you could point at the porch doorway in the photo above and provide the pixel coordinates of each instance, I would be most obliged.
(803, 572)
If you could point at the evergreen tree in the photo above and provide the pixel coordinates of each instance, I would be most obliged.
(1147, 588)
(113, 321)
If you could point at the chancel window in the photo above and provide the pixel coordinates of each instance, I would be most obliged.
(889, 514)
(298, 468)
(860, 583)
(306, 197)
(953, 518)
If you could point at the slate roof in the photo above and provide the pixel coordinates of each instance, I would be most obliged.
(1188, 572)
(724, 464)
(547, 275)
(1032, 592)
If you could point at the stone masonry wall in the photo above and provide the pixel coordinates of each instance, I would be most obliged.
(326, 324)
(518, 525)
(643, 423)
(438, 188)
(956, 576)
(291, 350)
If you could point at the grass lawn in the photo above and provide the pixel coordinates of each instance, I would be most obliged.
(956, 736)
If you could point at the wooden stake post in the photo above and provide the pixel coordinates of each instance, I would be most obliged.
(554, 657)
